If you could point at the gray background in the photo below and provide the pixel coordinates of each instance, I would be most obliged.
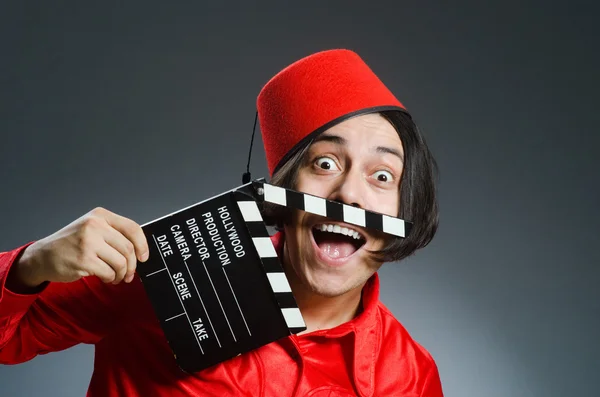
(147, 108)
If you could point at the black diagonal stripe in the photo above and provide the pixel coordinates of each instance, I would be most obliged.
(244, 194)
(285, 300)
(335, 211)
(373, 220)
(257, 229)
(407, 228)
(294, 199)
(272, 265)
(295, 330)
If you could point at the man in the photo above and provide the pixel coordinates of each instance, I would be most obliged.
(330, 128)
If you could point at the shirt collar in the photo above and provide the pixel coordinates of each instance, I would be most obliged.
(365, 327)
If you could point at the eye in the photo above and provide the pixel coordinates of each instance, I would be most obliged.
(383, 176)
(325, 163)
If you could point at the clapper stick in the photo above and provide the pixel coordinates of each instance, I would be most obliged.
(331, 209)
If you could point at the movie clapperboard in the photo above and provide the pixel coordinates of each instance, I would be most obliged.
(214, 278)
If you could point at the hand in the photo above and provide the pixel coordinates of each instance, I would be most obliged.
(100, 243)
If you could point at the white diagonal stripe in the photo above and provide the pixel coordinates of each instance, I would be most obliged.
(264, 246)
(315, 205)
(279, 282)
(393, 226)
(354, 215)
(275, 194)
(293, 318)
(250, 211)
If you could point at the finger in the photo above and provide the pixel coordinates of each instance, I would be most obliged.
(125, 247)
(102, 270)
(132, 231)
(115, 260)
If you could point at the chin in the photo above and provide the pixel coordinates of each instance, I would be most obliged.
(325, 280)
(332, 286)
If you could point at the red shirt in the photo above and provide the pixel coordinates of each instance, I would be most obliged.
(371, 355)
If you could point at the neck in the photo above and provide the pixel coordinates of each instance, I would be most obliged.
(320, 311)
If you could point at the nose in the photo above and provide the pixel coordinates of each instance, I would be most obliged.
(349, 189)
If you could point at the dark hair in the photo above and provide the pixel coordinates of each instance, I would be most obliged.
(418, 202)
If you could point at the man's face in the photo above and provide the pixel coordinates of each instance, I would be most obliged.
(358, 162)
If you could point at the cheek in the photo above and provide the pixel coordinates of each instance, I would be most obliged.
(294, 229)
(387, 204)
(309, 185)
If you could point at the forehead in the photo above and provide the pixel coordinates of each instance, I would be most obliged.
(368, 129)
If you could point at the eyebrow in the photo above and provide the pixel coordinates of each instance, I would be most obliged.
(385, 149)
(338, 140)
(330, 138)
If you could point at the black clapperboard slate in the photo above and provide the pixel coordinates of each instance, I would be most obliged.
(214, 279)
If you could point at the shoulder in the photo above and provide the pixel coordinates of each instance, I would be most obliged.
(397, 337)
(400, 356)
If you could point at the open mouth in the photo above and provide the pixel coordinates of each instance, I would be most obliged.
(337, 241)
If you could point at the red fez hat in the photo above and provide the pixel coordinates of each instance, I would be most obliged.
(313, 94)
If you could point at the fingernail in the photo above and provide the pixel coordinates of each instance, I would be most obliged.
(145, 256)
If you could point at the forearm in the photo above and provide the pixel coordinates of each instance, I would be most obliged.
(15, 300)
(44, 318)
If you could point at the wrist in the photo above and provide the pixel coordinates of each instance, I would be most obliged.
(24, 275)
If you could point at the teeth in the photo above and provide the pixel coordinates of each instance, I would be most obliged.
(340, 230)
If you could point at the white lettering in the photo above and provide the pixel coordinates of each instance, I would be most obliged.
(197, 237)
(180, 242)
(181, 286)
(200, 330)
(238, 249)
(164, 245)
